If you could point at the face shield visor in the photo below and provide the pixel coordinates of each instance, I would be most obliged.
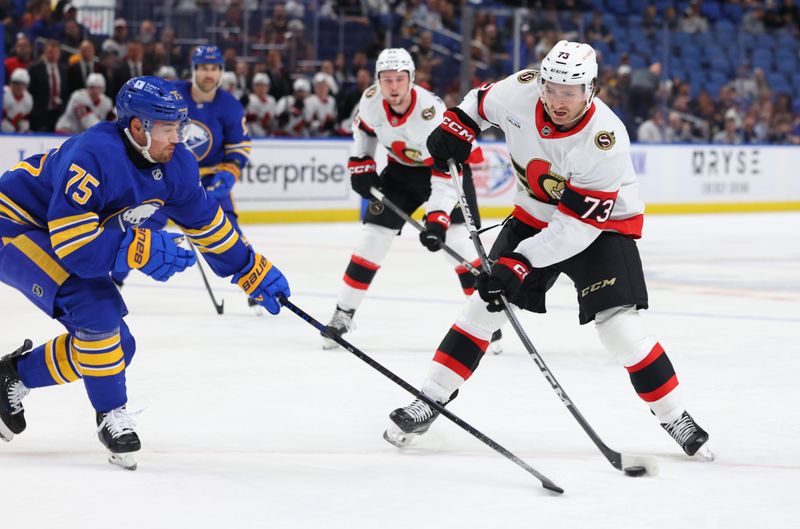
(169, 131)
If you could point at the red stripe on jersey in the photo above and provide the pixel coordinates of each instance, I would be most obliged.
(363, 262)
(483, 91)
(668, 386)
(451, 363)
(469, 291)
(601, 195)
(395, 120)
(631, 227)
(438, 174)
(647, 360)
(355, 284)
(527, 218)
(483, 344)
(543, 123)
(476, 156)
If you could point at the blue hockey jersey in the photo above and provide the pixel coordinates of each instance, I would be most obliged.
(218, 131)
(87, 192)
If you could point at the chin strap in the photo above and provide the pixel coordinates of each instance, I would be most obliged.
(144, 151)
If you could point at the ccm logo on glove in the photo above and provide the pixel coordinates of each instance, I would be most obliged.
(361, 165)
(518, 267)
(451, 124)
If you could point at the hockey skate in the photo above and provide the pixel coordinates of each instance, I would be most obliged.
(12, 391)
(115, 429)
(690, 436)
(257, 309)
(341, 322)
(495, 344)
(411, 421)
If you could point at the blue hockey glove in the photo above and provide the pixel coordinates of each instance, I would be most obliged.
(155, 253)
(263, 282)
(221, 185)
(505, 277)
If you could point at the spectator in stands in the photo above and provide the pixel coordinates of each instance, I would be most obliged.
(131, 67)
(652, 130)
(87, 107)
(497, 50)
(48, 88)
(281, 84)
(328, 69)
(753, 20)
(43, 27)
(424, 49)
(147, 32)
(295, 9)
(80, 69)
(729, 135)
(23, 55)
(745, 83)
(598, 31)
(298, 50)
(678, 130)
(176, 56)
(751, 134)
(528, 56)
(651, 22)
(789, 11)
(693, 21)
(259, 107)
(71, 14)
(118, 42)
(17, 102)
(348, 102)
(273, 30)
(644, 85)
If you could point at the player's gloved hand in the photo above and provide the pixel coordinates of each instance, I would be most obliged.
(452, 139)
(263, 282)
(363, 175)
(155, 253)
(435, 232)
(505, 277)
(220, 185)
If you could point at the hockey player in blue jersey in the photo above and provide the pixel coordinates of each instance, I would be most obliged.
(70, 216)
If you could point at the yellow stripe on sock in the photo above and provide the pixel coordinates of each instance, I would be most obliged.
(50, 362)
(63, 362)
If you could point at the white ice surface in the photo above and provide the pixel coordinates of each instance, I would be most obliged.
(248, 423)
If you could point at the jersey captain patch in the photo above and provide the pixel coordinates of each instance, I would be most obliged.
(604, 140)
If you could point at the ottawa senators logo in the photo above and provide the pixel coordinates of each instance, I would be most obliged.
(370, 91)
(375, 207)
(428, 113)
(604, 140)
(527, 76)
(405, 153)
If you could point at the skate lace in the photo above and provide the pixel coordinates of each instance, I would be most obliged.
(342, 320)
(682, 429)
(118, 422)
(16, 392)
(419, 410)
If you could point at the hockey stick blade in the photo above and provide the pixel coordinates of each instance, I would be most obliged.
(617, 460)
(420, 228)
(545, 481)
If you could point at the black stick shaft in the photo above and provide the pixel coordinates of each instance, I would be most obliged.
(546, 483)
(420, 228)
(614, 457)
(219, 307)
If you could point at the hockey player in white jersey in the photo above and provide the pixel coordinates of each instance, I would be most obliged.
(578, 213)
(399, 115)
(290, 110)
(17, 102)
(320, 108)
(260, 108)
(86, 107)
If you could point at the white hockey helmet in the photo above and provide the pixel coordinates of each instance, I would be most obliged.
(96, 79)
(571, 63)
(301, 85)
(261, 78)
(395, 60)
(228, 79)
(21, 75)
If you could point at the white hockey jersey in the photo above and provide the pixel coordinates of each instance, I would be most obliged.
(573, 184)
(16, 111)
(260, 114)
(404, 137)
(320, 115)
(290, 115)
(82, 112)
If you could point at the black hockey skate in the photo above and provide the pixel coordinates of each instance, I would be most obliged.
(341, 322)
(690, 436)
(411, 421)
(115, 429)
(12, 391)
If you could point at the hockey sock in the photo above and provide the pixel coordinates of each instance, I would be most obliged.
(364, 264)
(466, 278)
(101, 360)
(49, 364)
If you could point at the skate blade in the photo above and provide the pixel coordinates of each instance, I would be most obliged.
(394, 435)
(704, 453)
(496, 347)
(126, 461)
(328, 344)
(6, 435)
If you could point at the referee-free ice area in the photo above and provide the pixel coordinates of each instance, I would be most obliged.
(247, 422)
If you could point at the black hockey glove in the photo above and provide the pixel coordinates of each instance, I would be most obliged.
(436, 224)
(506, 277)
(363, 175)
(452, 139)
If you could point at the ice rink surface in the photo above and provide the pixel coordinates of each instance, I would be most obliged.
(248, 423)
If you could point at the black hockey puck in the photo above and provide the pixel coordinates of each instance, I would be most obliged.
(635, 471)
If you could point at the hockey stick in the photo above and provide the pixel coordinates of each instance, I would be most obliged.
(631, 465)
(546, 483)
(218, 307)
(420, 228)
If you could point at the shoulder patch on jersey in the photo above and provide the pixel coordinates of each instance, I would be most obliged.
(604, 140)
(527, 76)
(428, 113)
(370, 91)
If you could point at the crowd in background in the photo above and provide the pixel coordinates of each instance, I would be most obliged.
(61, 78)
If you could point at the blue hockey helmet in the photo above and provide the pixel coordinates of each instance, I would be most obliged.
(150, 99)
(207, 55)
